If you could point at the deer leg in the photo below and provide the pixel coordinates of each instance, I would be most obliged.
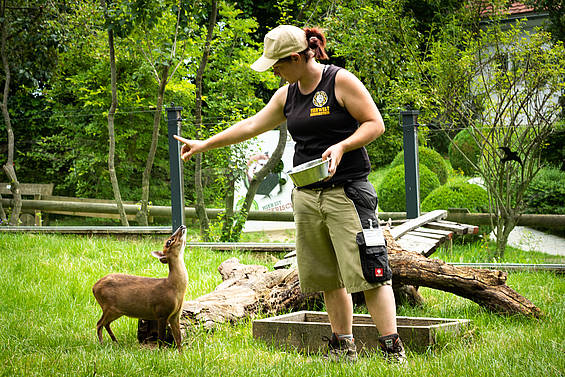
(161, 331)
(174, 322)
(104, 321)
(107, 327)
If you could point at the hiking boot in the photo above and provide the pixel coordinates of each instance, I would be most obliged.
(392, 348)
(340, 349)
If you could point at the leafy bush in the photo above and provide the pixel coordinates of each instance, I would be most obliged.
(457, 194)
(553, 152)
(432, 159)
(546, 193)
(392, 191)
(467, 144)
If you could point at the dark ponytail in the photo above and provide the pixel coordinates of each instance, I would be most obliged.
(316, 43)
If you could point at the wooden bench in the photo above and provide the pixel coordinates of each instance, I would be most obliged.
(37, 190)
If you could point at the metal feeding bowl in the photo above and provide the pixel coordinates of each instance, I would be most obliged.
(310, 172)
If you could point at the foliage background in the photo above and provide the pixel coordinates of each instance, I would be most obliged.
(60, 89)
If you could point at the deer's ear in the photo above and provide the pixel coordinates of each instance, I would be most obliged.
(159, 255)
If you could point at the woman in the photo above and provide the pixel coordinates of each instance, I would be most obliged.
(330, 114)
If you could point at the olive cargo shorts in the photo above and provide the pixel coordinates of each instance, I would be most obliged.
(327, 224)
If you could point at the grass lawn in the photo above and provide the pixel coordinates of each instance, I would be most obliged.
(48, 316)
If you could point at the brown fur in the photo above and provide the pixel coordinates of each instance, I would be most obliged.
(144, 297)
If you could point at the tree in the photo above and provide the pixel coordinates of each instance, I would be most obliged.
(28, 40)
(228, 94)
(200, 205)
(111, 115)
(379, 52)
(504, 86)
(159, 45)
(556, 11)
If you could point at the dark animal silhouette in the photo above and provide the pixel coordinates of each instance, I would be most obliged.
(510, 156)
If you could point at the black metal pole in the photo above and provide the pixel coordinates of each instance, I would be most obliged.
(411, 170)
(175, 164)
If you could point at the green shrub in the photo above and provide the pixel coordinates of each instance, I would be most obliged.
(457, 194)
(392, 194)
(546, 193)
(432, 159)
(553, 152)
(465, 141)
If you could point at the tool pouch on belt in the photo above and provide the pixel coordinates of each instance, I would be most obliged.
(371, 242)
(374, 261)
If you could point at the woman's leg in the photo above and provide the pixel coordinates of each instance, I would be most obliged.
(340, 310)
(381, 305)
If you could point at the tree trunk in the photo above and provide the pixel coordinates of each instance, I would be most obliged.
(243, 213)
(111, 133)
(227, 226)
(200, 205)
(9, 166)
(247, 290)
(3, 218)
(146, 176)
(256, 181)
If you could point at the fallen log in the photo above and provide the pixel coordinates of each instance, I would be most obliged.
(485, 287)
(247, 290)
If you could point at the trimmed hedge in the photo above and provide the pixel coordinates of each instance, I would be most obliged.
(546, 193)
(457, 194)
(432, 159)
(392, 194)
(470, 148)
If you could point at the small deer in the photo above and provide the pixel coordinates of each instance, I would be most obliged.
(144, 297)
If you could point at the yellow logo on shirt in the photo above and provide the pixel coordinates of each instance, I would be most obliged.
(319, 100)
(315, 111)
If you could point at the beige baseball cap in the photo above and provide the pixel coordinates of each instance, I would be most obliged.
(280, 43)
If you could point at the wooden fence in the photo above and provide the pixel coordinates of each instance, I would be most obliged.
(101, 208)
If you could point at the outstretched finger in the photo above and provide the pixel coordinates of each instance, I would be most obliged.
(181, 139)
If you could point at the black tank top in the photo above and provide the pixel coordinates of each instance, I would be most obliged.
(317, 121)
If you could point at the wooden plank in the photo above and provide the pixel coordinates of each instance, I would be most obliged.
(418, 247)
(433, 236)
(423, 240)
(82, 200)
(398, 231)
(124, 230)
(29, 188)
(291, 254)
(447, 233)
(453, 227)
(285, 263)
(91, 214)
(471, 229)
(247, 246)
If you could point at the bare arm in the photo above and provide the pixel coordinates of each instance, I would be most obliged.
(353, 95)
(266, 119)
